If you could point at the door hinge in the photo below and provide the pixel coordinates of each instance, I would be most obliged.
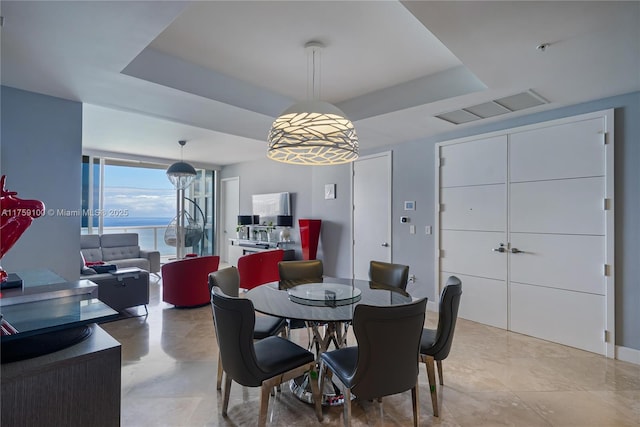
(605, 335)
(441, 162)
(606, 269)
(441, 253)
(440, 207)
(605, 138)
(606, 204)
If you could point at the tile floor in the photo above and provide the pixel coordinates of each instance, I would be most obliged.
(492, 378)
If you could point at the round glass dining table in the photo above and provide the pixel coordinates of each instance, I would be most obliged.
(327, 308)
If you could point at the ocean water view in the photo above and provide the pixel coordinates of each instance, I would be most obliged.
(150, 231)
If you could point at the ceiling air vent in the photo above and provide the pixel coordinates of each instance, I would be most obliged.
(505, 105)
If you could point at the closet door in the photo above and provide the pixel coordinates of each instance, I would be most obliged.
(545, 193)
(557, 233)
(473, 218)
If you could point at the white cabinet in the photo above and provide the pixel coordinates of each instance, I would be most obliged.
(238, 248)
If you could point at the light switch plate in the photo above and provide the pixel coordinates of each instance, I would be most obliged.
(329, 191)
(427, 229)
(412, 229)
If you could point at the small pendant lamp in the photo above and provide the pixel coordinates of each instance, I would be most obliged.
(181, 174)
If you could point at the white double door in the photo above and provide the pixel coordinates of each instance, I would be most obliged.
(523, 223)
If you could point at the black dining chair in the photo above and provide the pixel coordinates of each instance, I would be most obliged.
(294, 273)
(228, 280)
(385, 360)
(436, 344)
(265, 363)
(386, 273)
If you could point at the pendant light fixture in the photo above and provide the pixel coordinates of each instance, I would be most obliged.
(313, 132)
(181, 174)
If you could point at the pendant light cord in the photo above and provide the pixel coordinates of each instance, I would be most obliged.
(313, 70)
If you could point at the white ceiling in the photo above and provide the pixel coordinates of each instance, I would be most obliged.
(217, 73)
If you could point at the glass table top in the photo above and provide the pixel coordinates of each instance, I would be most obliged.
(37, 317)
(324, 294)
(268, 299)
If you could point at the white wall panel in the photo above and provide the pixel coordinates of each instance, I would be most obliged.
(470, 252)
(571, 318)
(562, 151)
(474, 208)
(571, 206)
(483, 300)
(571, 262)
(474, 163)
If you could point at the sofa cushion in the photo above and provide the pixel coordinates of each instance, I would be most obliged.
(119, 239)
(90, 247)
(120, 252)
(84, 270)
(89, 241)
(92, 255)
(141, 263)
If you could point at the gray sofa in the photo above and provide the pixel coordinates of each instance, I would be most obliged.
(124, 290)
(120, 249)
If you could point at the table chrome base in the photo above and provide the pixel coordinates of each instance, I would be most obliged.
(301, 388)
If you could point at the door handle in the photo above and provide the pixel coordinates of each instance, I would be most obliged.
(385, 244)
(516, 251)
(500, 249)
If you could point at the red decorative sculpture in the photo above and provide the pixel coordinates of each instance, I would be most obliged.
(16, 216)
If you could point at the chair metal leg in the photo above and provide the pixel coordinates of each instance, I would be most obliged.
(431, 374)
(322, 372)
(439, 363)
(220, 372)
(264, 404)
(416, 405)
(227, 392)
(315, 390)
(347, 406)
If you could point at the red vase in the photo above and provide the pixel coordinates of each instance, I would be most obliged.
(309, 236)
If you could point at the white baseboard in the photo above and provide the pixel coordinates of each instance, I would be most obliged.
(628, 355)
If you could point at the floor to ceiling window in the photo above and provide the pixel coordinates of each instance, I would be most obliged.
(124, 196)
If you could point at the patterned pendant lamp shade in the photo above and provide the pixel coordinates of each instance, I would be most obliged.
(313, 132)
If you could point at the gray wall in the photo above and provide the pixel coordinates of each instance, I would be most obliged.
(413, 179)
(41, 146)
(267, 176)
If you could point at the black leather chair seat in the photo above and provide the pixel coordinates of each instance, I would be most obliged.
(267, 326)
(276, 355)
(342, 363)
(427, 340)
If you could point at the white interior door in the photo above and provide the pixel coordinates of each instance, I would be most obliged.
(371, 212)
(557, 230)
(229, 211)
(473, 219)
(545, 193)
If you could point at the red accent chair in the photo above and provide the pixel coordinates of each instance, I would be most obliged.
(259, 268)
(185, 283)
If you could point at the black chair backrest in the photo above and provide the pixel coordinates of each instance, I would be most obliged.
(234, 319)
(449, 304)
(388, 346)
(386, 273)
(294, 273)
(227, 279)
